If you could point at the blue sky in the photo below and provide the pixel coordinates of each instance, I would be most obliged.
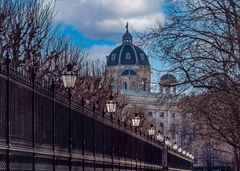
(100, 24)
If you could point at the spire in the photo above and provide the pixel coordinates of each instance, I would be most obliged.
(127, 37)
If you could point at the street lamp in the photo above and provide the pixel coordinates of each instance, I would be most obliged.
(69, 80)
(151, 131)
(167, 141)
(184, 152)
(179, 149)
(170, 143)
(111, 105)
(192, 157)
(136, 120)
(159, 136)
(175, 146)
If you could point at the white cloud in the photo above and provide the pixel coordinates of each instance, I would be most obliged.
(98, 19)
(100, 52)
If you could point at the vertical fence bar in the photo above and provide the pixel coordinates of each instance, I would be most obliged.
(53, 124)
(131, 147)
(103, 113)
(125, 152)
(112, 142)
(83, 136)
(7, 114)
(94, 135)
(119, 144)
(136, 148)
(33, 76)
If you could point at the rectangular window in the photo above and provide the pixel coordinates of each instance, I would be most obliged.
(150, 114)
(173, 115)
(162, 114)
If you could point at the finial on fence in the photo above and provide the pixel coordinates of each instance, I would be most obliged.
(7, 60)
(103, 113)
(125, 124)
(82, 102)
(53, 84)
(94, 108)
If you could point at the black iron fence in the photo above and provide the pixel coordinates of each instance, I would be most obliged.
(37, 133)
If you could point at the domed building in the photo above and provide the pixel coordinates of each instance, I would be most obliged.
(129, 71)
(128, 66)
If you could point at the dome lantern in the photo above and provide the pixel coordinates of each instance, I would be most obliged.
(127, 37)
(168, 84)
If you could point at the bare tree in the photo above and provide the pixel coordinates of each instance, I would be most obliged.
(200, 40)
(26, 31)
(28, 35)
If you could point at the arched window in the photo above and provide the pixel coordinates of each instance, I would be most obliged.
(162, 114)
(143, 84)
(150, 114)
(129, 73)
(125, 86)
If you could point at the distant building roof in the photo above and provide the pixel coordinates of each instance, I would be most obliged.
(168, 77)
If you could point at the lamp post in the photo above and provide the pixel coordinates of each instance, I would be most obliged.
(111, 108)
(165, 144)
(136, 120)
(69, 80)
(135, 123)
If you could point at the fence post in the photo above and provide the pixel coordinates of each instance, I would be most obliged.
(125, 128)
(70, 129)
(136, 132)
(83, 139)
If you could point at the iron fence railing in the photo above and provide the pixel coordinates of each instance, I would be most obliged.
(35, 125)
